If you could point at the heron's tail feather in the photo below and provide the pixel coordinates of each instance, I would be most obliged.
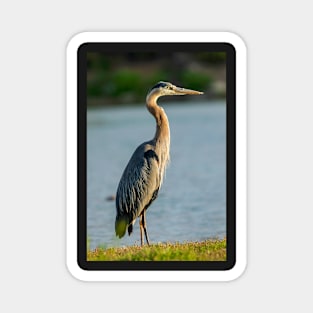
(121, 224)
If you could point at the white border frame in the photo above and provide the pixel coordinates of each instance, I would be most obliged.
(241, 157)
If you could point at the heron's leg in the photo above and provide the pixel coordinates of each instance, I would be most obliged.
(141, 229)
(145, 227)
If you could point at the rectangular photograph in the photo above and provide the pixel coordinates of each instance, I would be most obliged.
(156, 156)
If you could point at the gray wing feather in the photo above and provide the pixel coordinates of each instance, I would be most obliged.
(139, 184)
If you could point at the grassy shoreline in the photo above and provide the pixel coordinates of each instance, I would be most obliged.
(208, 250)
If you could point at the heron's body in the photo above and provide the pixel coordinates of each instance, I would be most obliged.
(143, 175)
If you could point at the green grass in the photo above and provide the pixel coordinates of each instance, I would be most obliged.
(209, 250)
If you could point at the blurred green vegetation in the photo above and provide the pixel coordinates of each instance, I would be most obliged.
(196, 80)
(126, 78)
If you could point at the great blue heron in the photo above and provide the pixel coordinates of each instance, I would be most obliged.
(143, 175)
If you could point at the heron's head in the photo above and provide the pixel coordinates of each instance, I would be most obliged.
(168, 89)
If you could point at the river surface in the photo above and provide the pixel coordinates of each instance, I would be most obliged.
(191, 205)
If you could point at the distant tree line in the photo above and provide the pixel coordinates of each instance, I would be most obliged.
(126, 78)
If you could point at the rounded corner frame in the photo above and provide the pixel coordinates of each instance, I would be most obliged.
(239, 267)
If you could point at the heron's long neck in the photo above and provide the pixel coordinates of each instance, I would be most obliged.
(162, 134)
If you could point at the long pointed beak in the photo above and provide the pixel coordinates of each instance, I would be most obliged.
(184, 91)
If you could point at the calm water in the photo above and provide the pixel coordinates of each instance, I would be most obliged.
(192, 201)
